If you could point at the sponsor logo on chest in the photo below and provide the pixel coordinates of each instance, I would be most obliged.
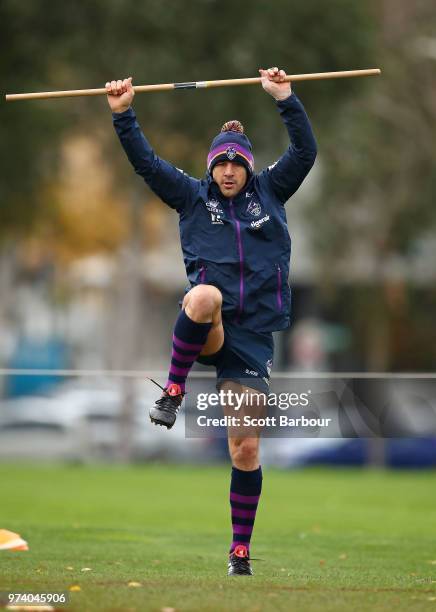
(216, 212)
(258, 224)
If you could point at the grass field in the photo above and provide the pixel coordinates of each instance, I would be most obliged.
(328, 540)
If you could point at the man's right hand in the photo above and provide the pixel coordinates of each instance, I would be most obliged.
(120, 94)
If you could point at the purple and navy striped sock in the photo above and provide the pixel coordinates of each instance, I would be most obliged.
(245, 489)
(189, 338)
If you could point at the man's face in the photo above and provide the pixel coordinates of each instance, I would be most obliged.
(230, 178)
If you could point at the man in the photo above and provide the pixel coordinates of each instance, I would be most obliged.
(236, 249)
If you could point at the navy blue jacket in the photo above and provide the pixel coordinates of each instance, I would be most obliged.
(241, 245)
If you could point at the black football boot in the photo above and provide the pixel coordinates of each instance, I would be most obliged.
(165, 410)
(239, 562)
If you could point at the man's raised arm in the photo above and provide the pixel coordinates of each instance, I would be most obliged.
(287, 174)
(172, 185)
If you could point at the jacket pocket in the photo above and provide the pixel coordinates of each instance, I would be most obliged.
(202, 273)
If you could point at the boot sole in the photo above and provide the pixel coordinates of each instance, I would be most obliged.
(160, 418)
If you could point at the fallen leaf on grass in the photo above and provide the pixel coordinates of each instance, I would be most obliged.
(167, 610)
(431, 598)
(322, 561)
(86, 569)
(342, 556)
(433, 562)
(74, 587)
(69, 567)
(134, 584)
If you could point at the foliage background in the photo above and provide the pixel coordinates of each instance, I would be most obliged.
(370, 222)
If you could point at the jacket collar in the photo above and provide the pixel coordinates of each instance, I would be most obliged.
(215, 190)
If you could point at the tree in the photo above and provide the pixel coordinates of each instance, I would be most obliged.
(377, 199)
(56, 46)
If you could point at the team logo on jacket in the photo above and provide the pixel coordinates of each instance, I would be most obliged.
(212, 204)
(254, 208)
(214, 207)
(231, 153)
(216, 219)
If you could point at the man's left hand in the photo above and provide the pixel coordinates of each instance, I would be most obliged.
(273, 82)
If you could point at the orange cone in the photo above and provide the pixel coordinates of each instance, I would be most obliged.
(12, 541)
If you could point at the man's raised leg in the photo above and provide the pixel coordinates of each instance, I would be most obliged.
(198, 329)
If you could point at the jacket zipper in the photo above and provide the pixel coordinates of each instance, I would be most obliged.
(241, 261)
(279, 288)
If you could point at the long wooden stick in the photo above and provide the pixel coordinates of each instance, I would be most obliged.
(192, 85)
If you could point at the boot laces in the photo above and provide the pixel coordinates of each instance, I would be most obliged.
(240, 563)
(170, 403)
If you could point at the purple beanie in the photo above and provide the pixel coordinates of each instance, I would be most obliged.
(231, 144)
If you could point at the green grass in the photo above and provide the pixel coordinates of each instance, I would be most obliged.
(329, 540)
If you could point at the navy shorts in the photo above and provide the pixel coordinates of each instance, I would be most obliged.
(246, 357)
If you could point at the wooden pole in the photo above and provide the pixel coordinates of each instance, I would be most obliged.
(316, 76)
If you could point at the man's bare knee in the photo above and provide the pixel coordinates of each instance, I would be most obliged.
(244, 453)
(202, 302)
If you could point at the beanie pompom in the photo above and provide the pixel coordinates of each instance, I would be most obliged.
(231, 144)
(233, 126)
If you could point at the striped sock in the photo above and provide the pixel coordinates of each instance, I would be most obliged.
(245, 489)
(188, 339)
